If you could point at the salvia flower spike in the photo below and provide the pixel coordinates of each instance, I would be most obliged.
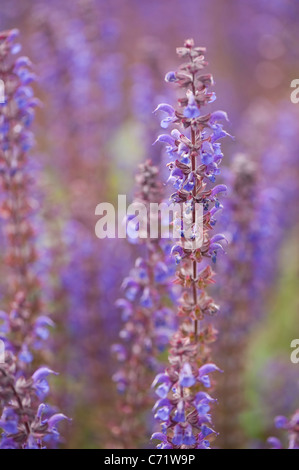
(183, 406)
(25, 421)
(148, 320)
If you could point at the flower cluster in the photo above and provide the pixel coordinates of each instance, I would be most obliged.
(148, 320)
(17, 199)
(25, 327)
(24, 419)
(183, 407)
(180, 408)
(292, 427)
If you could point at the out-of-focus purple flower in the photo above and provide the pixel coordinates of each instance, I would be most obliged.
(292, 427)
(23, 327)
(148, 323)
(168, 109)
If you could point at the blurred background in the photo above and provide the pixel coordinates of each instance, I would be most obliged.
(100, 67)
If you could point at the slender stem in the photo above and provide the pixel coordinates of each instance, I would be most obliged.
(194, 263)
(193, 167)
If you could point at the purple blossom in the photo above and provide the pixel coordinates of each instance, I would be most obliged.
(168, 109)
(292, 427)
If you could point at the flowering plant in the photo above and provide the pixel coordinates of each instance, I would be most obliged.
(25, 421)
(183, 405)
(148, 319)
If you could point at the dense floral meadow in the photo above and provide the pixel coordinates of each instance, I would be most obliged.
(126, 342)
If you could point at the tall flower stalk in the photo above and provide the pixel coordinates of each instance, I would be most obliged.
(257, 219)
(238, 266)
(148, 320)
(80, 64)
(183, 405)
(25, 421)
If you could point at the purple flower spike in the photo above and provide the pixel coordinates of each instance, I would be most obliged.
(148, 320)
(196, 159)
(25, 328)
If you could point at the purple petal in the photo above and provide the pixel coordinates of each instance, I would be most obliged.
(218, 237)
(274, 442)
(44, 320)
(161, 378)
(216, 247)
(177, 249)
(160, 436)
(217, 116)
(167, 108)
(204, 396)
(207, 369)
(191, 112)
(167, 121)
(55, 419)
(42, 373)
(41, 409)
(13, 34)
(176, 134)
(165, 138)
(170, 77)
(22, 62)
(218, 189)
(281, 422)
(206, 431)
(3, 315)
(162, 390)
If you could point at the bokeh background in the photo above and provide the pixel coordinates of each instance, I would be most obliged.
(100, 67)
